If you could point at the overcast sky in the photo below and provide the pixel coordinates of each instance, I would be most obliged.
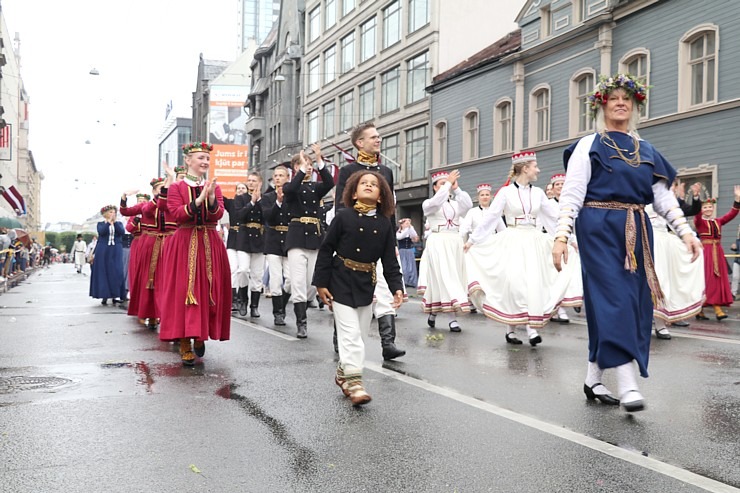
(147, 54)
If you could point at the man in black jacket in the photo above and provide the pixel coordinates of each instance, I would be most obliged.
(277, 220)
(251, 241)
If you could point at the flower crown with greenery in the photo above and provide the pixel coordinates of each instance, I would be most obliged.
(143, 196)
(196, 147)
(631, 85)
(180, 170)
(711, 200)
(107, 208)
(156, 181)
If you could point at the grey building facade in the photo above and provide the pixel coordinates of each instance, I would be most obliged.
(176, 133)
(207, 71)
(532, 96)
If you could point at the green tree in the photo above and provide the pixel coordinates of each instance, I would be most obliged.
(52, 238)
(66, 241)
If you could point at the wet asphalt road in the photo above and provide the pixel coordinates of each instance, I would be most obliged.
(90, 401)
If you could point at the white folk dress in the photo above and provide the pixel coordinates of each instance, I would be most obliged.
(513, 280)
(574, 293)
(681, 280)
(442, 279)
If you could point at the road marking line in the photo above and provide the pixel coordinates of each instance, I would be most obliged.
(564, 433)
(684, 335)
(265, 330)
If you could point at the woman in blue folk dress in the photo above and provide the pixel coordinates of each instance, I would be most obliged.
(611, 176)
(106, 280)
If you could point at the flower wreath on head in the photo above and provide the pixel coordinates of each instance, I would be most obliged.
(631, 85)
(196, 147)
(711, 200)
(107, 208)
(156, 181)
(143, 196)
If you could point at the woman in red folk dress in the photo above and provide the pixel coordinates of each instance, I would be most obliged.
(133, 226)
(709, 230)
(156, 225)
(196, 274)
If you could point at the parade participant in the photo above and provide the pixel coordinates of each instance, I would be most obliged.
(302, 198)
(407, 236)
(709, 229)
(346, 281)
(575, 288)
(366, 139)
(681, 280)
(510, 279)
(276, 229)
(180, 172)
(196, 280)
(156, 225)
(106, 280)
(231, 247)
(442, 277)
(89, 254)
(130, 246)
(78, 252)
(250, 245)
(610, 176)
(473, 218)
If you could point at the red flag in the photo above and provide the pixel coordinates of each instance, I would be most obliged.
(17, 206)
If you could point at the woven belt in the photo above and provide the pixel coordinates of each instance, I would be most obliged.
(193, 259)
(715, 254)
(235, 228)
(308, 220)
(259, 226)
(159, 238)
(360, 266)
(282, 229)
(630, 239)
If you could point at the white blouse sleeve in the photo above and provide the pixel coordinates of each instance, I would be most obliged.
(430, 206)
(576, 184)
(489, 219)
(464, 202)
(666, 205)
(549, 212)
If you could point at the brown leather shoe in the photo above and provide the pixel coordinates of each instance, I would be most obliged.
(357, 393)
(341, 382)
(186, 352)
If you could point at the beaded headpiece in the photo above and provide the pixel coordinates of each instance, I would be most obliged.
(557, 177)
(440, 175)
(484, 186)
(196, 147)
(156, 181)
(143, 196)
(180, 170)
(631, 85)
(107, 208)
(523, 157)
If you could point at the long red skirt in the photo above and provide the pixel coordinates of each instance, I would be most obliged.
(717, 286)
(133, 269)
(147, 302)
(210, 318)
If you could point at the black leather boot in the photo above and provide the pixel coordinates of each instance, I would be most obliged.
(234, 299)
(286, 299)
(243, 301)
(300, 319)
(387, 331)
(336, 343)
(278, 310)
(254, 305)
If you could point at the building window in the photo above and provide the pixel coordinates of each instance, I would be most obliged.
(390, 148)
(348, 52)
(313, 75)
(392, 24)
(367, 101)
(418, 14)
(346, 110)
(545, 22)
(440, 143)
(348, 6)
(330, 14)
(329, 119)
(314, 24)
(504, 135)
(390, 90)
(417, 78)
(470, 135)
(330, 64)
(581, 84)
(706, 175)
(539, 115)
(312, 126)
(698, 67)
(416, 153)
(367, 39)
(637, 64)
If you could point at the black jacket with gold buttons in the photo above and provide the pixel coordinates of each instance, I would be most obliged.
(303, 200)
(251, 237)
(360, 238)
(276, 224)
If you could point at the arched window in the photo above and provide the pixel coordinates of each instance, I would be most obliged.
(637, 63)
(503, 136)
(440, 143)
(470, 135)
(581, 84)
(697, 79)
(539, 115)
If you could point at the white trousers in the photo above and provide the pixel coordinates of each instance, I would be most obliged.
(301, 263)
(233, 267)
(735, 277)
(279, 274)
(250, 269)
(351, 324)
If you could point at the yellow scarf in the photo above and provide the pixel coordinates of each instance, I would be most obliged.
(364, 208)
(366, 158)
